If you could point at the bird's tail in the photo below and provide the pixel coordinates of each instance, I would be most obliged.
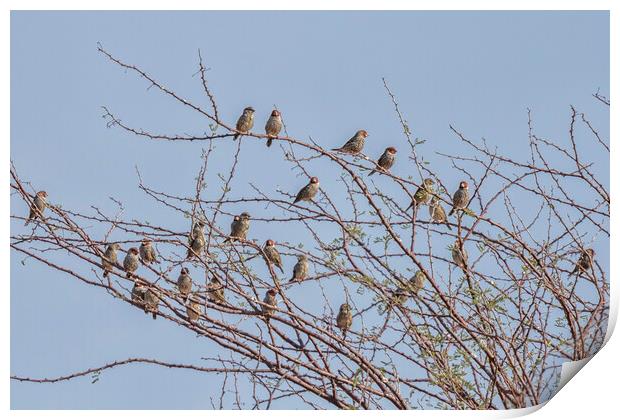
(106, 274)
(451, 211)
(236, 137)
(372, 173)
(269, 142)
(154, 315)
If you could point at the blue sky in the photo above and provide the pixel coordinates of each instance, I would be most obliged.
(477, 71)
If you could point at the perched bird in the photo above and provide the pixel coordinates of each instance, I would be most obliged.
(460, 198)
(137, 294)
(147, 252)
(215, 291)
(272, 255)
(300, 271)
(239, 227)
(245, 122)
(131, 262)
(184, 283)
(386, 160)
(400, 296)
(459, 258)
(109, 259)
(355, 143)
(39, 203)
(308, 192)
(344, 318)
(193, 309)
(417, 282)
(585, 261)
(273, 126)
(269, 303)
(196, 240)
(437, 212)
(151, 301)
(423, 194)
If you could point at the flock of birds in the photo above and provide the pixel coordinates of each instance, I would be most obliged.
(148, 298)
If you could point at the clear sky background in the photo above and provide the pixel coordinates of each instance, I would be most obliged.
(477, 71)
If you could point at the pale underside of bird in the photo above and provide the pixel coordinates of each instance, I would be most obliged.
(39, 204)
(344, 319)
(245, 122)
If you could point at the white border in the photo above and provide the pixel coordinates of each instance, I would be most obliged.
(593, 394)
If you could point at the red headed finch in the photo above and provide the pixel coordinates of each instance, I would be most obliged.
(460, 198)
(131, 261)
(308, 192)
(239, 227)
(272, 255)
(355, 143)
(386, 160)
(273, 126)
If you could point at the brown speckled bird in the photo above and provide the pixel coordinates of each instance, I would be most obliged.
(437, 213)
(460, 198)
(137, 294)
(355, 143)
(245, 122)
(344, 318)
(215, 291)
(459, 258)
(300, 271)
(423, 194)
(184, 283)
(272, 255)
(39, 204)
(585, 261)
(196, 240)
(193, 309)
(416, 283)
(109, 259)
(273, 126)
(239, 227)
(308, 192)
(131, 261)
(400, 296)
(147, 252)
(386, 160)
(151, 302)
(269, 304)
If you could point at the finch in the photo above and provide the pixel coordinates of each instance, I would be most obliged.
(272, 255)
(184, 283)
(147, 252)
(196, 240)
(239, 227)
(245, 122)
(273, 126)
(300, 271)
(151, 301)
(459, 258)
(216, 291)
(460, 198)
(386, 160)
(193, 309)
(269, 304)
(437, 213)
(585, 261)
(39, 203)
(109, 259)
(137, 294)
(308, 192)
(417, 282)
(131, 261)
(355, 143)
(400, 296)
(423, 194)
(344, 319)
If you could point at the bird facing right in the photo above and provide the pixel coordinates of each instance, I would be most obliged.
(355, 144)
(245, 122)
(308, 192)
(39, 204)
(386, 161)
